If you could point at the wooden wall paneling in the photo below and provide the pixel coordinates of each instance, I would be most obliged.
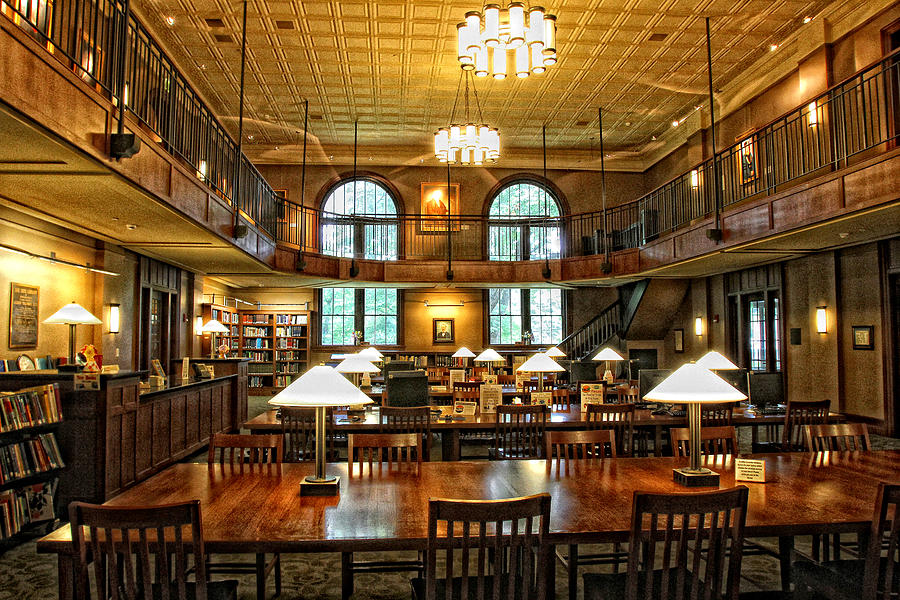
(205, 413)
(228, 406)
(128, 446)
(144, 440)
(161, 444)
(192, 435)
(178, 423)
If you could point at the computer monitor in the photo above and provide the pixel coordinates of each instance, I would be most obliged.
(766, 388)
(407, 388)
(397, 365)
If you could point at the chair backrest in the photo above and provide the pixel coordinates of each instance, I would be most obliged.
(798, 414)
(520, 430)
(408, 419)
(529, 386)
(690, 537)
(713, 440)
(466, 390)
(717, 413)
(594, 443)
(243, 448)
(627, 394)
(393, 448)
(837, 436)
(491, 548)
(561, 399)
(619, 418)
(407, 388)
(880, 579)
(298, 426)
(122, 553)
(438, 374)
(504, 379)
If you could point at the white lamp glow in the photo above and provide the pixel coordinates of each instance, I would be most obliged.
(463, 355)
(489, 356)
(371, 353)
(714, 361)
(608, 354)
(555, 352)
(356, 364)
(540, 363)
(318, 388)
(114, 318)
(72, 315)
(212, 327)
(821, 320)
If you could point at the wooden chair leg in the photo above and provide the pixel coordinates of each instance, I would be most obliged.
(346, 575)
(278, 575)
(785, 550)
(572, 568)
(260, 576)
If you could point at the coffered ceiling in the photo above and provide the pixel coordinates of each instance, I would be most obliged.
(392, 66)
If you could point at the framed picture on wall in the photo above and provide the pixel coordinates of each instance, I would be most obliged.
(23, 316)
(435, 207)
(679, 341)
(862, 337)
(442, 331)
(747, 161)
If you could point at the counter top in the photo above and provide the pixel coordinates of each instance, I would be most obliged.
(176, 383)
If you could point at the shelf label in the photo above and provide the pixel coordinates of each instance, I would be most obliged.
(87, 381)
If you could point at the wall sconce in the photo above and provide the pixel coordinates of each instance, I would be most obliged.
(198, 325)
(821, 320)
(695, 179)
(813, 114)
(433, 305)
(698, 326)
(114, 322)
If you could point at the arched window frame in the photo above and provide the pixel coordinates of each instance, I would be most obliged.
(361, 234)
(528, 236)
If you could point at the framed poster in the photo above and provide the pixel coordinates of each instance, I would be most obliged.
(862, 337)
(747, 161)
(435, 207)
(442, 331)
(23, 316)
(679, 341)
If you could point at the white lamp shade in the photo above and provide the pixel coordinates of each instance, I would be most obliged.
(320, 386)
(213, 326)
(540, 363)
(72, 314)
(608, 354)
(356, 363)
(463, 353)
(716, 362)
(691, 383)
(339, 356)
(489, 355)
(555, 352)
(371, 353)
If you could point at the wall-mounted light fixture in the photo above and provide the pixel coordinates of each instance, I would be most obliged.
(198, 325)
(698, 326)
(442, 304)
(821, 319)
(695, 179)
(114, 321)
(813, 118)
(52, 258)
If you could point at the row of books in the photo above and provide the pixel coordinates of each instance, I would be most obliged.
(256, 319)
(289, 343)
(21, 507)
(259, 369)
(290, 319)
(30, 407)
(283, 380)
(12, 364)
(420, 362)
(224, 317)
(257, 356)
(290, 355)
(290, 367)
(256, 342)
(256, 381)
(29, 457)
(256, 331)
(294, 331)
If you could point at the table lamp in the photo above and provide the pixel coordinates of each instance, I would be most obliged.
(540, 363)
(465, 354)
(318, 388)
(72, 315)
(693, 385)
(371, 353)
(608, 354)
(489, 356)
(555, 352)
(213, 327)
(356, 364)
(714, 361)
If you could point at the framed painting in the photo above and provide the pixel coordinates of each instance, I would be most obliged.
(679, 341)
(435, 207)
(862, 337)
(23, 316)
(747, 161)
(442, 331)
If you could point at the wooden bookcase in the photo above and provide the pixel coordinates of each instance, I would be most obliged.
(228, 317)
(30, 460)
(277, 345)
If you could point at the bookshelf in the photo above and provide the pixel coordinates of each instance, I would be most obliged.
(277, 345)
(228, 317)
(30, 459)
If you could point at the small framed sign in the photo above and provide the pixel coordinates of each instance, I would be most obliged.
(862, 337)
(465, 408)
(491, 397)
(544, 398)
(749, 469)
(679, 341)
(591, 393)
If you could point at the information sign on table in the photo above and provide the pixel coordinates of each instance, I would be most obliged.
(465, 408)
(521, 378)
(591, 393)
(87, 381)
(749, 469)
(489, 379)
(491, 397)
(541, 398)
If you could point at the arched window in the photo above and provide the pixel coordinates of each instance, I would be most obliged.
(523, 223)
(359, 218)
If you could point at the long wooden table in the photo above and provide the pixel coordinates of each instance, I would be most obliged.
(644, 419)
(258, 509)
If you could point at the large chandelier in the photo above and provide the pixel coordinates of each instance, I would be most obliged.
(467, 142)
(497, 42)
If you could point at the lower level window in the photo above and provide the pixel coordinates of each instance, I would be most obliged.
(525, 315)
(373, 311)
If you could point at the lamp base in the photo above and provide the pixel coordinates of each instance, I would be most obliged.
(691, 478)
(328, 486)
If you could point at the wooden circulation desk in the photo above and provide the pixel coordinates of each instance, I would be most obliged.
(115, 437)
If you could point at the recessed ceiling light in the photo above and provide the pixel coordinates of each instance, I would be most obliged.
(653, 138)
(277, 148)
(657, 37)
(675, 123)
(627, 123)
(250, 137)
(773, 47)
(807, 19)
(170, 21)
(202, 66)
(131, 227)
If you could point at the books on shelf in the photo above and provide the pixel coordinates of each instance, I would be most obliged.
(256, 319)
(29, 457)
(256, 331)
(23, 506)
(291, 331)
(256, 343)
(258, 356)
(291, 319)
(281, 355)
(30, 407)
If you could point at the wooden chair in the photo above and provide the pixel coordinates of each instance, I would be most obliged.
(561, 399)
(492, 549)
(401, 449)
(837, 437)
(408, 419)
(566, 445)
(298, 426)
(627, 394)
(678, 548)
(466, 390)
(876, 576)
(248, 450)
(529, 386)
(713, 440)
(797, 414)
(519, 432)
(504, 379)
(438, 375)
(715, 414)
(619, 418)
(126, 565)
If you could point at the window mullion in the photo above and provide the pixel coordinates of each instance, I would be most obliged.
(526, 309)
(359, 310)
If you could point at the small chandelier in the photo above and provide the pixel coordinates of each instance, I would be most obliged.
(486, 39)
(468, 142)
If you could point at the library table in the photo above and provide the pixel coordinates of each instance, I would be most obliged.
(258, 508)
(644, 419)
